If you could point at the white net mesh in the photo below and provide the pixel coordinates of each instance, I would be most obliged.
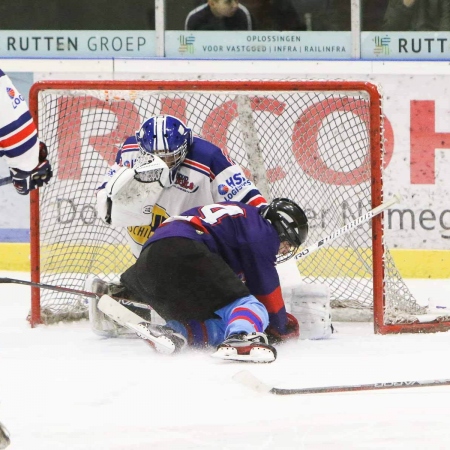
(311, 146)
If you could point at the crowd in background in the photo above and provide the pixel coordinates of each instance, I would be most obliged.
(257, 15)
(320, 15)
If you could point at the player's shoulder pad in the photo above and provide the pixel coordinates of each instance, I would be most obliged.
(206, 152)
(202, 145)
(130, 144)
(130, 140)
(128, 152)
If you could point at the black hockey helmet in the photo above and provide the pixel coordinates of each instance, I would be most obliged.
(291, 224)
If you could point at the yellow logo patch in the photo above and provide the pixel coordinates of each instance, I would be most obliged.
(140, 234)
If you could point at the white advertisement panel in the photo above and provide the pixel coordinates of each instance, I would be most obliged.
(258, 45)
(417, 137)
(76, 44)
(403, 45)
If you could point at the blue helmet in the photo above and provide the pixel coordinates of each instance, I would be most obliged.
(167, 137)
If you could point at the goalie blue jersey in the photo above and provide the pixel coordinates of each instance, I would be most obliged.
(244, 239)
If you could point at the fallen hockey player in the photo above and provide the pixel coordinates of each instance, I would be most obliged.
(210, 274)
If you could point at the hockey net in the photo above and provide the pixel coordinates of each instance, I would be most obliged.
(319, 143)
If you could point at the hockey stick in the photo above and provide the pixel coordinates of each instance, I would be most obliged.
(248, 379)
(349, 227)
(51, 287)
(5, 181)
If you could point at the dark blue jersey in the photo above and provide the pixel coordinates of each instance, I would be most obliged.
(247, 243)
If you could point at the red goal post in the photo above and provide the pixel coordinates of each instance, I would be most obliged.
(319, 143)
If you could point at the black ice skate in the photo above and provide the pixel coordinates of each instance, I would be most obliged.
(162, 338)
(251, 347)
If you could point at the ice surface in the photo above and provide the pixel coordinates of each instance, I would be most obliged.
(62, 387)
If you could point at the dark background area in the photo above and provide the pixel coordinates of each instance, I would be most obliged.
(77, 15)
(333, 15)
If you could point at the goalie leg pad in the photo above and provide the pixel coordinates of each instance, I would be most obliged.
(163, 339)
(101, 324)
(310, 305)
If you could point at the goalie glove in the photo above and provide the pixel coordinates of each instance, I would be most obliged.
(292, 331)
(129, 196)
(26, 181)
(150, 171)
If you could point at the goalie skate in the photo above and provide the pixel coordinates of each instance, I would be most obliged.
(163, 339)
(245, 347)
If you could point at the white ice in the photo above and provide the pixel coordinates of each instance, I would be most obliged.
(62, 387)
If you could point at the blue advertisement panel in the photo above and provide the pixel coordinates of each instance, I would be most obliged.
(258, 45)
(405, 45)
(77, 44)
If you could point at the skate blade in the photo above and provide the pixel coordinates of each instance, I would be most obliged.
(256, 355)
(161, 343)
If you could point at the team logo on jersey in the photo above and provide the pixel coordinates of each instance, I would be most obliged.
(140, 234)
(11, 92)
(126, 162)
(182, 182)
(15, 97)
(223, 189)
(233, 186)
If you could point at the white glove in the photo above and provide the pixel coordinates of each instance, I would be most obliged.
(155, 170)
(125, 201)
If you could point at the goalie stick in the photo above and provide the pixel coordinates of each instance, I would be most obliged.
(348, 227)
(5, 181)
(249, 380)
(66, 290)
